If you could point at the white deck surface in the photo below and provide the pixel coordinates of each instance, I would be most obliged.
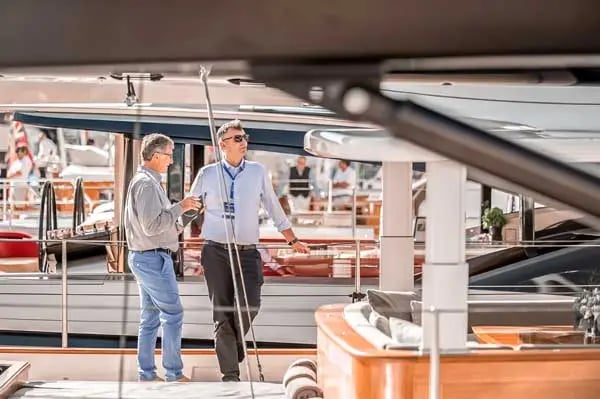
(146, 390)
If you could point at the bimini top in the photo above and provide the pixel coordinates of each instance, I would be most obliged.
(268, 131)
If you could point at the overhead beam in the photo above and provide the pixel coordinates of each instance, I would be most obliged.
(66, 32)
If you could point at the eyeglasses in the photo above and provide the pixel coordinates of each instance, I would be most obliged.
(169, 154)
(238, 138)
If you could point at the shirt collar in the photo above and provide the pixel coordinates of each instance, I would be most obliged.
(240, 167)
(152, 173)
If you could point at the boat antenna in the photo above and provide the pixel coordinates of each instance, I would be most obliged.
(231, 240)
(131, 98)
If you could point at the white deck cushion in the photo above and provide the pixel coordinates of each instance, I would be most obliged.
(405, 332)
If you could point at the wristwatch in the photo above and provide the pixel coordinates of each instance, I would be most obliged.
(295, 240)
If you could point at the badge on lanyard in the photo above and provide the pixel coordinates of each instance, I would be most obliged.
(229, 210)
(229, 206)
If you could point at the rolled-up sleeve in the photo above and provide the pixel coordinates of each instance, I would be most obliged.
(152, 217)
(272, 205)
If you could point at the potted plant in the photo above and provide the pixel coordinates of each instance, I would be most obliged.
(493, 219)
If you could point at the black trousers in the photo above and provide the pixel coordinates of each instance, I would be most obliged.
(217, 273)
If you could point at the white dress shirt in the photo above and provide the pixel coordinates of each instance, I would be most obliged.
(251, 188)
(46, 151)
(348, 176)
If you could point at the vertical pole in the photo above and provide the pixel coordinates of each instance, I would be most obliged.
(357, 294)
(527, 215)
(354, 213)
(197, 162)
(445, 272)
(329, 197)
(434, 357)
(4, 199)
(397, 263)
(175, 192)
(65, 311)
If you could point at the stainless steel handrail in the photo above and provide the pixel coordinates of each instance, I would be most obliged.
(65, 293)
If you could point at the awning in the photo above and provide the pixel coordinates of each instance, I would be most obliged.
(272, 135)
(266, 137)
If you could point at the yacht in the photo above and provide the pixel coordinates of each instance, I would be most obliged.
(355, 358)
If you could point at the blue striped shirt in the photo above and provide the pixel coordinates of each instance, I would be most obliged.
(247, 187)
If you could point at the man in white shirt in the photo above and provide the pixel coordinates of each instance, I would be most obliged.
(233, 191)
(18, 172)
(47, 152)
(344, 181)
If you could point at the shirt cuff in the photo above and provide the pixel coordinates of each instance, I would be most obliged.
(176, 210)
(284, 225)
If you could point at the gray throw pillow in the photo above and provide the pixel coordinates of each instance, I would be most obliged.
(392, 303)
(405, 332)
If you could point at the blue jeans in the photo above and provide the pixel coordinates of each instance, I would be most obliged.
(159, 305)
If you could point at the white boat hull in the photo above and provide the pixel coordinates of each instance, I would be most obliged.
(105, 305)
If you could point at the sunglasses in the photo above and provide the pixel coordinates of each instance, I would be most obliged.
(238, 138)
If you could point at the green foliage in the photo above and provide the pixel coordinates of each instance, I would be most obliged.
(493, 217)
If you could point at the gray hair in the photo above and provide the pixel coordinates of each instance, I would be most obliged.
(152, 143)
(234, 124)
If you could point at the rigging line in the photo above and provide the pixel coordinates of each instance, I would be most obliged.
(121, 246)
(213, 136)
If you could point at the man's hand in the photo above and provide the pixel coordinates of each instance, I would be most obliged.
(285, 271)
(301, 247)
(191, 203)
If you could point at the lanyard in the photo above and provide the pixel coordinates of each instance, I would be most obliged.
(232, 177)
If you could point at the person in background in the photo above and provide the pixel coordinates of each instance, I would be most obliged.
(344, 181)
(247, 186)
(18, 171)
(299, 186)
(47, 152)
